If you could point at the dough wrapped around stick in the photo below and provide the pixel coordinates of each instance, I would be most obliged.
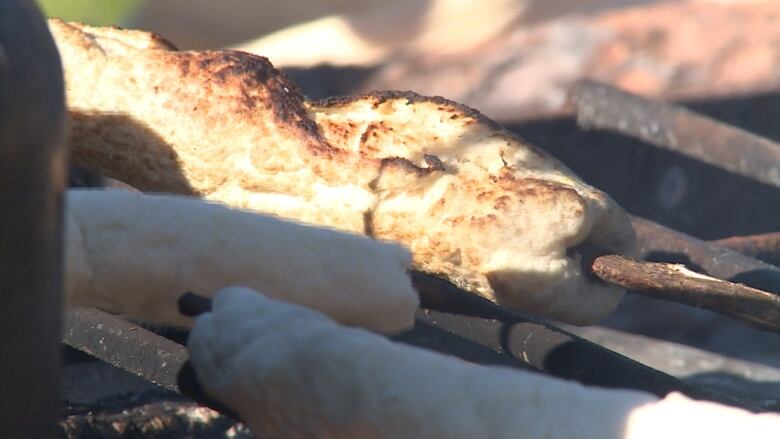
(475, 204)
(135, 254)
(290, 372)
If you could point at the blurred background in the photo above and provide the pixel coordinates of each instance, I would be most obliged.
(203, 23)
(477, 53)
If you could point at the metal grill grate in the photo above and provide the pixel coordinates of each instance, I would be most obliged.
(481, 332)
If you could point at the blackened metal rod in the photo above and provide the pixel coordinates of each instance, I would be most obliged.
(677, 129)
(124, 345)
(544, 347)
(764, 246)
(538, 345)
(156, 359)
(659, 243)
(549, 349)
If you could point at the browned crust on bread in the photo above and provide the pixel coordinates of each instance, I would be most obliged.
(381, 96)
(159, 41)
(227, 68)
(471, 200)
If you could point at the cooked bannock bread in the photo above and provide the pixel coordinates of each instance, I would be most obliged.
(290, 372)
(135, 254)
(474, 203)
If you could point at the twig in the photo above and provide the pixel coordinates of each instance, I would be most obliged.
(676, 283)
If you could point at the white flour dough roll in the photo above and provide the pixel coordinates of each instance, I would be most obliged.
(135, 254)
(291, 372)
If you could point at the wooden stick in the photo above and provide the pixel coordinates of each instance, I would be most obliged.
(676, 283)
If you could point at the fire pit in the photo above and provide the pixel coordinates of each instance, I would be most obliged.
(452, 321)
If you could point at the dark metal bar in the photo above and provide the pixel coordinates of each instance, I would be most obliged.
(668, 126)
(659, 243)
(676, 283)
(437, 294)
(158, 359)
(561, 354)
(124, 345)
(32, 178)
(542, 346)
(422, 335)
(536, 345)
(764, 247)
(193, 305)
(754, 382)
(434, 338)
(687, 360)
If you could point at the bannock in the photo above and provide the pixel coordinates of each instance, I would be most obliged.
(290, 372)
(474, 203)
(135, 254)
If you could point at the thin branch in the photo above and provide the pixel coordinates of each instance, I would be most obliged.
(676, 283)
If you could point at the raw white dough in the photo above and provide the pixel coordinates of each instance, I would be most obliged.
(292, 372)
(135, 254)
